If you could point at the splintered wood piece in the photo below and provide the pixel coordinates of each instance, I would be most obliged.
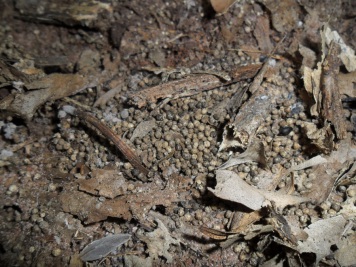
(240, 132)
(175, 89)
(213, 233)
(217, 234)
(189, 86)
(119, 143)
(331, 105)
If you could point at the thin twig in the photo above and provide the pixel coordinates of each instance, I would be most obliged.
(108, 133)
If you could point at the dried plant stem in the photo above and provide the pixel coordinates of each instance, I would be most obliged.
(119, 143)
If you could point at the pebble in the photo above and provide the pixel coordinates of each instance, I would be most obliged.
(351, 192)
(13, 188)
(124, 114)
(56, 252)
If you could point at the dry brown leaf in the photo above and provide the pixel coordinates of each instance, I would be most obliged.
(231, 187)
(242, 220)
(285, 14)
(262, 34)
(329, 172)
(221, 6)
(105, 182)
(89, 209)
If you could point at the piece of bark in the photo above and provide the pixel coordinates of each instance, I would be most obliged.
(239, 133)
(189, 86)
(72, 13)
(241, 130)
(175, 89)
(331, 105)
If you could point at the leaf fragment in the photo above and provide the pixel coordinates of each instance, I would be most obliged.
(102, 247)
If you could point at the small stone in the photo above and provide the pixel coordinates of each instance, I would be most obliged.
(188, 217)
(124, 114)
(284, 131)
(56, 252)
(351, 192)
(13, 188)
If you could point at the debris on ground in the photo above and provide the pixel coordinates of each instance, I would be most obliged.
(195, 133)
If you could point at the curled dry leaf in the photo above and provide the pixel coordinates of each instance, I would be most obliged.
(329, 172)
(254, 153)
(323, 83)
(309, 163)
(231, 187)
(102, 247)
(322, 138)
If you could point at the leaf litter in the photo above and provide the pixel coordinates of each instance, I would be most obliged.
(261, 207)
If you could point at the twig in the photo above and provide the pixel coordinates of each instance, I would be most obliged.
(108, 133)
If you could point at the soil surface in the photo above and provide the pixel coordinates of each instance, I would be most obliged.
(175, 127)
